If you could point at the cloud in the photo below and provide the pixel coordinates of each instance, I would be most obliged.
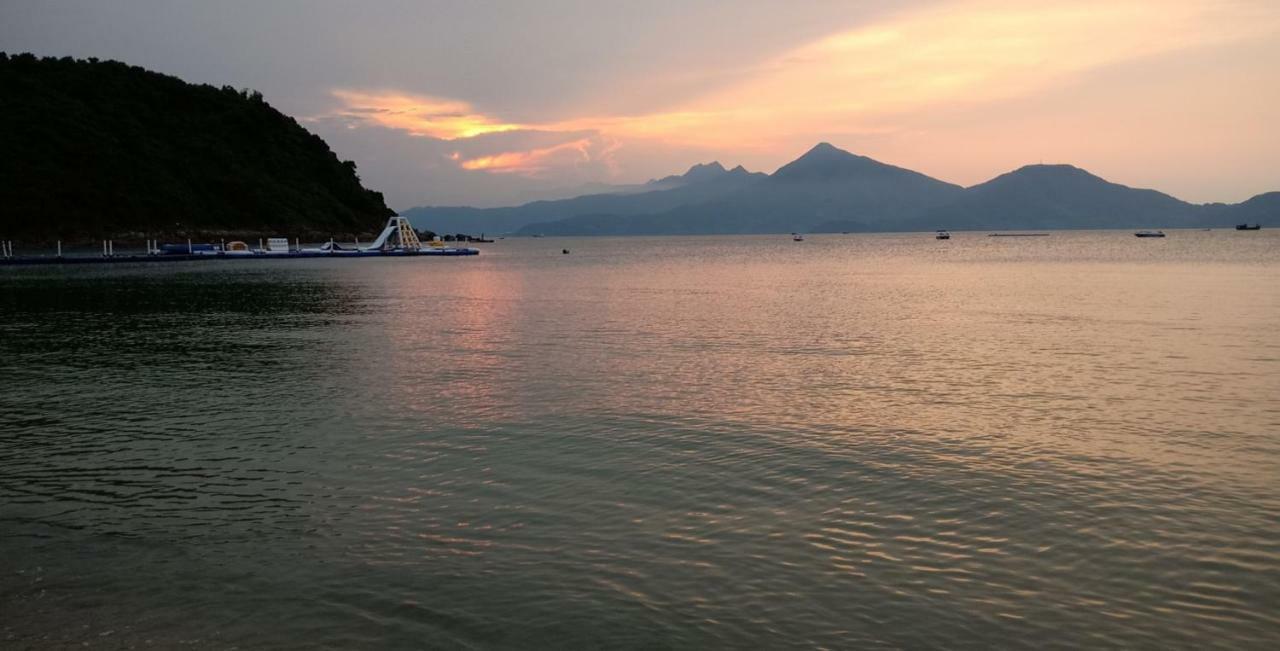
(419, 115)
(867, 84)
(534, 162)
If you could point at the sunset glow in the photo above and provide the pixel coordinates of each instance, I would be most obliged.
(475, 104)
(532, 161)
(885, 83)
(419, 115)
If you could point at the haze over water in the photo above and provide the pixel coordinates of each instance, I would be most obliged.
(854, 441)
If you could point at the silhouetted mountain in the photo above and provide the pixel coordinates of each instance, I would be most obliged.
(823, 185)
(699, 172)
(1057, 197)
(700, 184)
(831, 190)
(1262, 209)
(94, 149)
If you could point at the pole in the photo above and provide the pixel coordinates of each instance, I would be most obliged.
(111, 248)
(297, 244)
(59, 248)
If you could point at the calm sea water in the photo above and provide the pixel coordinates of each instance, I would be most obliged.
(850, 442)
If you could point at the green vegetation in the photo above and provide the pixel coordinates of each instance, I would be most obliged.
(94, 149)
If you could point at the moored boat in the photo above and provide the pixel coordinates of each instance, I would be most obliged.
(1246, 227)
(1149, 234)
(942, 235)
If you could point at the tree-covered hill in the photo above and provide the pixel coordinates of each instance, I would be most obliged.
(92, 149)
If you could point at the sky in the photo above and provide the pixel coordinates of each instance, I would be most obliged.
(495, 103)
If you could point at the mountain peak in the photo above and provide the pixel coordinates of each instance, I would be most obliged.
(826, 161)
(699, 173)
(1047, 173)
(704, 171)
(1049, 168)
(825, 151)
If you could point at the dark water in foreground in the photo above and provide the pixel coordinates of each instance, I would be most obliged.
(855, 441)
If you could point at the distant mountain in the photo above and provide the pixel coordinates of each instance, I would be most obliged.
(97, 149)
(831, 190)
(823, 185)
(1057, 197)
(699, 184)
(1262, 209)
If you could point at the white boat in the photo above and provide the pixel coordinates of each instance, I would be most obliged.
(942, 235)
(796, 237)
(1149, 234)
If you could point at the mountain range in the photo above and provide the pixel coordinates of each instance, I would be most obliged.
(832, 190)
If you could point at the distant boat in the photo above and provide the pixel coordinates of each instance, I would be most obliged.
(942, 235)
(1246, 227)
(1017, 235)
(1149, 234)
(796, 237)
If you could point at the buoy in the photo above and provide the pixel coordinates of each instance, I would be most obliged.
(565, 251)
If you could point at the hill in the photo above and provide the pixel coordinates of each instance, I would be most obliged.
(100, 148)
(1057, 197)
(1264, 208)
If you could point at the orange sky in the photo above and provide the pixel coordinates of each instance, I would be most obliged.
(961, 90)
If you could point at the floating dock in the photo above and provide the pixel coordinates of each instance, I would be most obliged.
(398, 240)
(292, 255)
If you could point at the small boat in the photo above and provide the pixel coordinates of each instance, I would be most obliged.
(796, 237)
(1149, 234)
(1246, 227)
(942, 235)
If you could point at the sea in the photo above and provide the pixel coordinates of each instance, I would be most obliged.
(850, 442)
